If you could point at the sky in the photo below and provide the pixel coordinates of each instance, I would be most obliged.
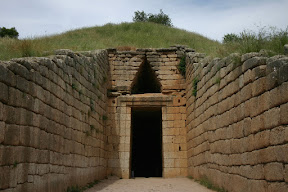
(211, 18)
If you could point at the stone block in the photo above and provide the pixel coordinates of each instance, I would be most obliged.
(12, 135)
(247, 77)
(277, 187)
(179, 101)
(274, 171)
(257, 185)
(249, 56)
(253, 62)
(283, 92)
(277, 135)
(283, 73)
(171, 172)
(2, 131)
(3, 93)
(271, 80)
(272, 118)
(262, 139)
(169, 163)
(275, 97)
(259, 86)
(259, 72)
(6, 76)
(284, 114)
(286, 173)
(180, 163)
(22, 84)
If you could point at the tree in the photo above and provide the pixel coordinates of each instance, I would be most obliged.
(12, 33)
(160, 18)
(231, 38)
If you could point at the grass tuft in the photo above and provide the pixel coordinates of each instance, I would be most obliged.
(207, 183)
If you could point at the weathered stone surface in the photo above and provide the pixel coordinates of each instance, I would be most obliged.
(286, 49)
(56, 119)
(274, 171)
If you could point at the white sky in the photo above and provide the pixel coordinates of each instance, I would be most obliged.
(211, 18)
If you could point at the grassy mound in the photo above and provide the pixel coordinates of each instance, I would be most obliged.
(139, 35)
(144, 35)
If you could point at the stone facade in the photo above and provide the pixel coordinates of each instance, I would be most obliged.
(67, 119)
(124, 70)
(237, 121)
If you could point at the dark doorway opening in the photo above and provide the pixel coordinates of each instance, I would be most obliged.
(146, 157)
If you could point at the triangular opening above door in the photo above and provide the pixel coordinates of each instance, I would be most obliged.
(145, 80)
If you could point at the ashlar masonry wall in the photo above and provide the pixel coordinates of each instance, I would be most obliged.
(52, 121)
(124, 71)
(237, 121)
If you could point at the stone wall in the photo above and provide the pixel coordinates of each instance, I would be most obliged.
(125, 66)
(52, 121)
(237, 119)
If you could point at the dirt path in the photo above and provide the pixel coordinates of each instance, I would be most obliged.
(148, 185)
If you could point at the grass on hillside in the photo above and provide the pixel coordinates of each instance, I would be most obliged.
(143, 35)
(140, 35)
(270, 39)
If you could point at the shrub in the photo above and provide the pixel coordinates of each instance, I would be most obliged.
(12, 33)
(182, 66)
(160, 18)
(270, 38)
(231, 38)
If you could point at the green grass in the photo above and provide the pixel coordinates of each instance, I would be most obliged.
(270, 39)
(208, 184)
(143, 35)
(139, 35)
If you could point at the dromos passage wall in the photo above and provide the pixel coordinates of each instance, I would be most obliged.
(51, 121)
(237, 120)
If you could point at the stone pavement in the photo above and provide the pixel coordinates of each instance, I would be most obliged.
(148, 185)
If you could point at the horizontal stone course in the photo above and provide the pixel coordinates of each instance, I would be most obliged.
(241, 122)
(45, 121)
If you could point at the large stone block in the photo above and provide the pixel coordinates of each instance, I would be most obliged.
(277, 186)
(259, 86)
(257, 185)
(272, 118)
(3, 93)
(253, 62)
(284, 114)
(12, 135)
(6, 76)
(2, 131)
(277, 135)
(274, 171)
(283, 73)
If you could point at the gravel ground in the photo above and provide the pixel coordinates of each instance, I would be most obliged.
(148, 185)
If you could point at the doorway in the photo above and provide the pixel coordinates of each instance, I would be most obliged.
(146, 153)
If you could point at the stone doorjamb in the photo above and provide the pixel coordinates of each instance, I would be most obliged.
(123, 123)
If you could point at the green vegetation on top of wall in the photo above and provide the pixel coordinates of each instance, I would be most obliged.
(137, 35)
(270, 39)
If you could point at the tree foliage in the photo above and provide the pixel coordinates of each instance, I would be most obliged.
(160, 18)
(231, 37)
(12, 33)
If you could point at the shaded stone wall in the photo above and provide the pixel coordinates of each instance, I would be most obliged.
(52, 121)
(172, 99)
(237, 119)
